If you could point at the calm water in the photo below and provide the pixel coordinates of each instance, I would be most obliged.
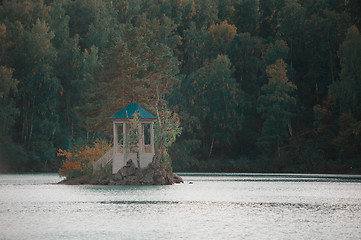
(228, 206)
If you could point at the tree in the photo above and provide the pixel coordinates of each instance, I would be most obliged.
(67, 68)
(222, 35)
(277, 50)
(134, 70)
(275, 105)
(94, 21)
(194, 48)
(268, 19)
(292, 26)
(38, 90)
(215, 100)
(246, 54)
(79, 159)
(8, 89)
(346, 94)
(246, 16)
(161, 29)
(167, 129)
(8, 110)
(347, 91)
(353, 8)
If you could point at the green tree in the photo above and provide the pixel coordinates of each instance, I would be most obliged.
(246, 16)
(347, 91)
(194, 48)
(346, 141)
(292, 29)
(134, 70)
(215, 100)
(12, 158)
(246, 54)
(275, 105)
(8, 110)
(95, 21)
(38, 88)
(268, 17)
(277, 50)
(67, 67)
(167, 129)
(353, 8)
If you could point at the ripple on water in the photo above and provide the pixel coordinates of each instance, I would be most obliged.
(211, 208)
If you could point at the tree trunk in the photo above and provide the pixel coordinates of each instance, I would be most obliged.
(123, 92)
(290, 129)
(138, 162)
(31, 126)
(211, 148)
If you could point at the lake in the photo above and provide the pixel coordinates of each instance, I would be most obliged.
(206, 206)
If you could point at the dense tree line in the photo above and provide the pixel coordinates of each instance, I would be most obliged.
(259, 85)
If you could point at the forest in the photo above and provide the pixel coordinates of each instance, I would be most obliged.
(258, 85)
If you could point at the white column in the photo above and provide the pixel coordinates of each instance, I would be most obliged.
(115, 136)
(152, 137)
(124, 136)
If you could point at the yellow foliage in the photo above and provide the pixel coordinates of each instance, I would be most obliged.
(2, 31)
(81, 159)
(223, 33)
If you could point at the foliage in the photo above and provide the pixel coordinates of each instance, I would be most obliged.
(134, 70)
(275, 105)
(66, 66)
(166, 130)
(79, 159)
(222, 34)
(132, 139)
(8, 112)
(347, 91)
(214, 103)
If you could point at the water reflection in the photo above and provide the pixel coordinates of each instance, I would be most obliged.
(215, 206)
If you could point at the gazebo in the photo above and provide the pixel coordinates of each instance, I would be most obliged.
(121, 152)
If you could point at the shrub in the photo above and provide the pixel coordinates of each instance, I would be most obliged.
(79, 160)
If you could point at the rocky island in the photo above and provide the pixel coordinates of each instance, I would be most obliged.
(115, 165)
(128, 175)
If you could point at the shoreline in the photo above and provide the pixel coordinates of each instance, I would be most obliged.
(127, 175)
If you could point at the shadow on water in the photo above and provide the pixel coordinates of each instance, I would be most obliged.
(270, 177)
(314, 207)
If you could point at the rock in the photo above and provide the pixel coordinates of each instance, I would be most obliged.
(77, 180)
(129, 175)
(128, 170)
(131, 180)
(112, 182)
(104, 181)
(147, 179)
(93, 181)
(159, 177)
(176, 178)
(117, 177)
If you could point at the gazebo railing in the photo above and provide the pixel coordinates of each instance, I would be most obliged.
(104, 160)
(135, 148)
(147, 148)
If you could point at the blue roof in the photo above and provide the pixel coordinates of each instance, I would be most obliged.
(128, 112)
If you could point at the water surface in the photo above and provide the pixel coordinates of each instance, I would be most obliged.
(214, 206)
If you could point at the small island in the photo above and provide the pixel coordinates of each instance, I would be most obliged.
(128, 175)
(116, 166)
